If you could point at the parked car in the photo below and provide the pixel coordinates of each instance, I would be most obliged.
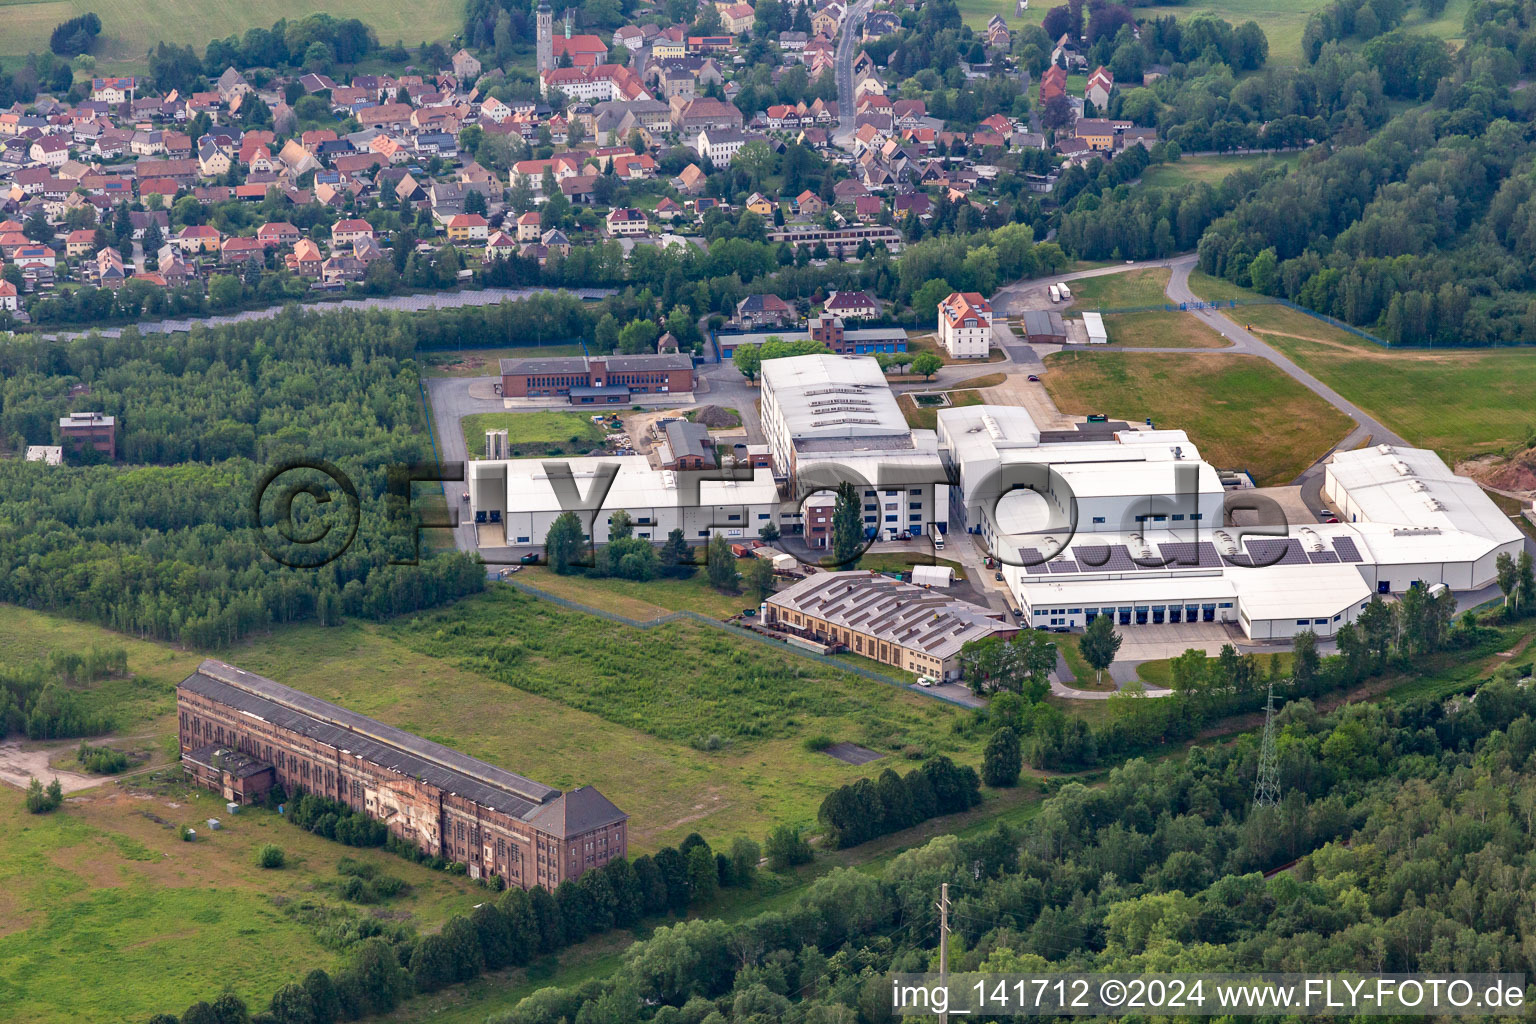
(529, 559)
(998, 576)
(1035, 377)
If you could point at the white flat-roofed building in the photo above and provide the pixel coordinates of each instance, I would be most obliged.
(1148, 544)
(1419, 521)
(1093, 324)
(48, 454)
(527, 495)
(1015, 481)
(828, 418)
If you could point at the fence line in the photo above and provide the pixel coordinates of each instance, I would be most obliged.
(778, 646)
(1219, 304)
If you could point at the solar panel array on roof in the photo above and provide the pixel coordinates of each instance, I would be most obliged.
(1319, 557)
(1113, 558)
(1345, 546)
(1033, 562)
(1063, 565)
(1266, 551)
(1190, 555)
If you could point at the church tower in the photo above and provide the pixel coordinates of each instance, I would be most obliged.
(546, 41)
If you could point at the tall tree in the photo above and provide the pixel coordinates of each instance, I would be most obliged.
(847, 525)
(563, 544)
(1099, 645)
(722, 564)
(1002, 761)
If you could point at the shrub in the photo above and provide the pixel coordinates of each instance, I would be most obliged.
(101, 760)
(786, 848)
(41, 800)
(270, 856)
(816, 744)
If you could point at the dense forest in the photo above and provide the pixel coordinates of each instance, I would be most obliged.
(1414, 824)
(1422, 232)
(160, 542)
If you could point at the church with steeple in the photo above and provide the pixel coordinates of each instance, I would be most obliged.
(583, 51)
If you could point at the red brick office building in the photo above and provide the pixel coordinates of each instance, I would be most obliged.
(90, 430)
(241, 734)
(597, 380)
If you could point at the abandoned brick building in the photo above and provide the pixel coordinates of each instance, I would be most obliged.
(241, 734)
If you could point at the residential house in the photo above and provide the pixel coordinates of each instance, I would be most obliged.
(50, 150)
(528, 227)
(277, 235)
(1100, 84)
(852, 306)
(760, 204)
(809, 204)
(467, 228)
(720, 145)
(965, 325)
(764, 311)
(466, 66)
(80, 243)
(305, 259)
(347, 232)
(626, 222)
(198, 238)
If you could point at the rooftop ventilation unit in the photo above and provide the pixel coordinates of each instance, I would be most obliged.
(1310, 538)
(1225, 544)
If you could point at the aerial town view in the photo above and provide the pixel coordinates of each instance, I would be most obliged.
(821, 511)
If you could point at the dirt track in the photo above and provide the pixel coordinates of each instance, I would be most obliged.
(19, 767)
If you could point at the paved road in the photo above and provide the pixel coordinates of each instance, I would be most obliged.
(398, 303)
(847, 45)
(1029, 294)
(451, 401)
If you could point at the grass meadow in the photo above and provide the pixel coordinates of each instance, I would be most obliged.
(1459, 402)
(1241, 411)
(1282, 23)
(1209, 169)
(1161, 330)
(483, 362)
(131, 28)
(1132, 288)
(562, 697)
(533, 434)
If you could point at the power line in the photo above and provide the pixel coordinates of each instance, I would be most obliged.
(1266, 790)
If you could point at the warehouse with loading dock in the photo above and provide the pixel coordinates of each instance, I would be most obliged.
(1131, 525)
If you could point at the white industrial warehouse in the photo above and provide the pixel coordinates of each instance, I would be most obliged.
(1129, 523)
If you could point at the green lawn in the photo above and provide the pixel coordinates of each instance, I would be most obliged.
(482, 362)
(1128, 290)
(130, 28)
(926, 417)
(924, 341)
(532, 434)
(1241, 411)
(1161, 330)
(1209, 169)
(903, 561)
(635, 600)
